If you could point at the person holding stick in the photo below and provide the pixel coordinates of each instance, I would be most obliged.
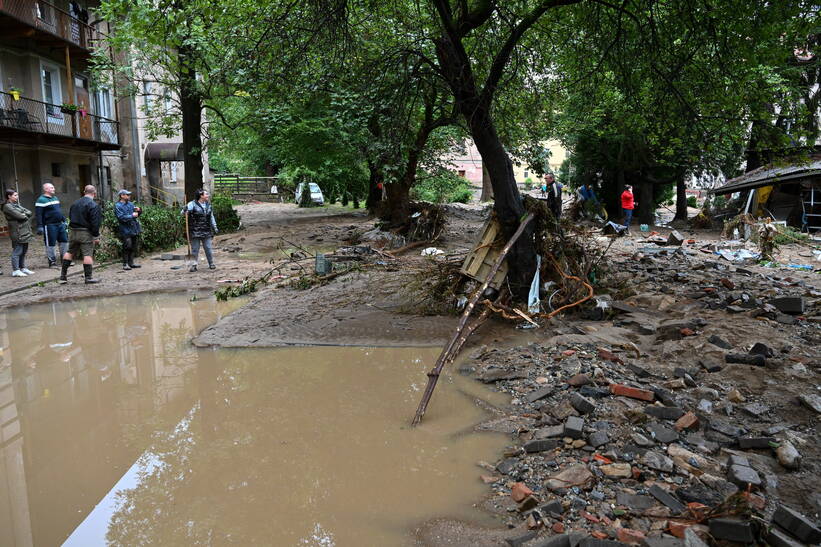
(200, 227)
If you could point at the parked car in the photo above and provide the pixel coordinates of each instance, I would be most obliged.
(316, 193)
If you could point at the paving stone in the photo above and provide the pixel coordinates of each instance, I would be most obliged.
(518, 541)
(657, 461)
(789, 304)
(506, 466)
(549, 432)
(574, 427)
(542, 445)
(797, 524)
(726, 429)
(755, 442)
(735, 459)
(717, 340)
(664, 412)
(666, 397)
(594, 392)
(582, 404)
(711, 364)
(661, 433)
(699, 493)
(598, 439)
(553, 508)
(745, 359)
(742, 476)
(540, 393)
(740, 531)
(635, 502)
(667, 499)
(778, 538)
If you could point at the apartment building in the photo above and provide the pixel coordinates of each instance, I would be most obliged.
(54, 126)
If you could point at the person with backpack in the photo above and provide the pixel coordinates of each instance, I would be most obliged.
(201, 228)
(19, 220)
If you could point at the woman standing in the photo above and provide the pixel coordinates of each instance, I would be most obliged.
(201, 228)
(19, 219)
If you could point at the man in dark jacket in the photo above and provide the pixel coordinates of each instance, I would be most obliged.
(130, 229)
(51, 223)
(85, 217)
(201, 228)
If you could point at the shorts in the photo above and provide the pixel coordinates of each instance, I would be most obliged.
(54, 233)
(81, 243)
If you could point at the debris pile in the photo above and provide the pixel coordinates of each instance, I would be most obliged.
(644, 427)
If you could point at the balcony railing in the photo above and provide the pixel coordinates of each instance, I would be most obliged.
(38, 117)
(51, 19)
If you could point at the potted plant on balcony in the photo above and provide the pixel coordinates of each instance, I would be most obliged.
(15, 93)
(69, 108)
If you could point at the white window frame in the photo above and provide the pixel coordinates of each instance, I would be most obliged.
(56, 91)
(104, 103)
(147, 95)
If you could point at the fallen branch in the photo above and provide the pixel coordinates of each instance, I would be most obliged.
(460, 335)
(407, 247)
(587, 285)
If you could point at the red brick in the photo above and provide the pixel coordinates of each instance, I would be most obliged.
(687, 332)
(686, 422)
(626, 535)
(558, 527)
(598, 535)
(632, 392)
(520, 491)
(727, 283)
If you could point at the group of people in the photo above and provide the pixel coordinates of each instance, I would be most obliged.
(551, 190)
(84, 222)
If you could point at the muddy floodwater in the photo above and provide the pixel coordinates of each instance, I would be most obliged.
(116, 430)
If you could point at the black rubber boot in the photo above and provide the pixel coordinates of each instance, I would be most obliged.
(87, 272)
(63, 280)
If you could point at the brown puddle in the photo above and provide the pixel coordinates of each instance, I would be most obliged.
(114, 429)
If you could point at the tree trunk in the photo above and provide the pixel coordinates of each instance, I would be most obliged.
(395, 209)
(681, 199)
(374, 193)
(645, 198)
(487, 188)
(191, 107)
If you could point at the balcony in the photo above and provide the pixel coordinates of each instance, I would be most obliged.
(47, 24)
(32, 122)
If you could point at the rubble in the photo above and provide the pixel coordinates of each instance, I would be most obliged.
(676, 420)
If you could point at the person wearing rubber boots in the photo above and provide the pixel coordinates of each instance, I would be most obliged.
(130, 228)
(85, 217)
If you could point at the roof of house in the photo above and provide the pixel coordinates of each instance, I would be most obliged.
(769, 174)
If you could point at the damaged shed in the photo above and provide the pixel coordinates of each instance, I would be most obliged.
(789, 191)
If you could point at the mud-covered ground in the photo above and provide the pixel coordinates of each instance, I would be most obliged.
(674, 316)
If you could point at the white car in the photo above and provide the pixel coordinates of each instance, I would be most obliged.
(316, 193)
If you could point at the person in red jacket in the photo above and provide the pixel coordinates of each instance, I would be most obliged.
(628, 204)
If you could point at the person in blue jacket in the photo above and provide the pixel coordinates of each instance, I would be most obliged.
(51, 223)
(130, 228)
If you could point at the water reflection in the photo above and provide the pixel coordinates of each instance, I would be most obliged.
(121, 432)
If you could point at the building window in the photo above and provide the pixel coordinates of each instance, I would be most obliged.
(147, 95)
(461, 172)
(104, 103)
(107, 174)
(172, 166)
(52, 92)
(527, 174)
(56, 169)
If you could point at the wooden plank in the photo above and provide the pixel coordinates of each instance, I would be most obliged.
(481, 259)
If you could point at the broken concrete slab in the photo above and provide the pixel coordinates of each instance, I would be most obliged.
(793, 305)
(797, 524)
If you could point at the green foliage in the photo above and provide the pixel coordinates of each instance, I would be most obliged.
(692, 201)
(226, 216)
(528, 183)
(442, 186)
(163, 229)
(787, 234)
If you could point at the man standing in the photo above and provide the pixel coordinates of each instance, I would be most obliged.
(627, 205)
(51, 223)
(85, 217)
(130, 228)
(554, 195)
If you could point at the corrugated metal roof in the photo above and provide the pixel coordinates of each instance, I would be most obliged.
(767, 175)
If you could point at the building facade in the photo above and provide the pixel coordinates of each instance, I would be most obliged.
(54, 126)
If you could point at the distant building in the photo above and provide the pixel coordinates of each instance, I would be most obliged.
(469, 164)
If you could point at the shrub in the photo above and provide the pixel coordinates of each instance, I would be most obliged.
(692, 202)
(163, 228)
(224, 212)
(528, 183)
(442, 186)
